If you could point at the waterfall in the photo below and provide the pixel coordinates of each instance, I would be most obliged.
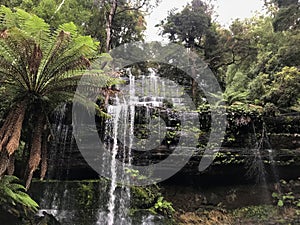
(123, 113)
(59, 137)
(58, 159)
(256, 166)
(263, 149)
(112, 196)
(139, 99)
(132, 113)
(271, 155)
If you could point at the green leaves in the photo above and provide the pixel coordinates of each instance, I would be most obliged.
(35, 58)
(287, 17)
(163, 207)
(69, 27)
(190, 25)
(285, 88)
(288, 195)
(13, 196)
(7, 17)
(266, 64)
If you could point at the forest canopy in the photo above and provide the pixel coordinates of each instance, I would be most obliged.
(256, 60)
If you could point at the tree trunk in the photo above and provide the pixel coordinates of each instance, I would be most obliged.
(194, 83)
(6, 124)
(109, 22)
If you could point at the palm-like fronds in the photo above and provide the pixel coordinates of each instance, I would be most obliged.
(39, 69)
(13, 195)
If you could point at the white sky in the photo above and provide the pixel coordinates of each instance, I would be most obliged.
(227, 10)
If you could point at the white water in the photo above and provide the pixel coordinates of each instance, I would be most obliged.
(112, 196)
(147, 91)
(122, 113)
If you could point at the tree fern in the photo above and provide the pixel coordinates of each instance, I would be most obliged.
(40, 69)
(13, 197)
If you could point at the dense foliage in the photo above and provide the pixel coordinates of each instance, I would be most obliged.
(256, 60)
(92, 17)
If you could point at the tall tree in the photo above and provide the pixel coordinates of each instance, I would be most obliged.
(194, 28)
(101, 19)
(190, 26)
(117, 9)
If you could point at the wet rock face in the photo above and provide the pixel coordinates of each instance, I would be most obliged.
(231, 162)
(149, 97)
(285, 141)
(67, 162)
(8, 219)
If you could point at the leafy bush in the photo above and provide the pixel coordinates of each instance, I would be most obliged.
(286, 195)
(163, 207)
(149, 198)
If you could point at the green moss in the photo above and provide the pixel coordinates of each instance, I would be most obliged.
(262, 212)
(86, 194)
(150, 199)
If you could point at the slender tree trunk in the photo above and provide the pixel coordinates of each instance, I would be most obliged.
(194, 90)
(25, 156)
(109, 22)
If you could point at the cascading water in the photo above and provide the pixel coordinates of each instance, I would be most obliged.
(270, 151)
(256, 166)
(113, 185)
(122, 113)
(262, 152)
(147, 92)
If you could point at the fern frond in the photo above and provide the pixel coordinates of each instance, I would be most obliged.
(12, 194)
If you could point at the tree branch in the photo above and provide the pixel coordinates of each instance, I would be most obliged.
(135, 8)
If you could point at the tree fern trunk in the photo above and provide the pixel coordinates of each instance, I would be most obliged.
(6, 124)
(28, 180)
